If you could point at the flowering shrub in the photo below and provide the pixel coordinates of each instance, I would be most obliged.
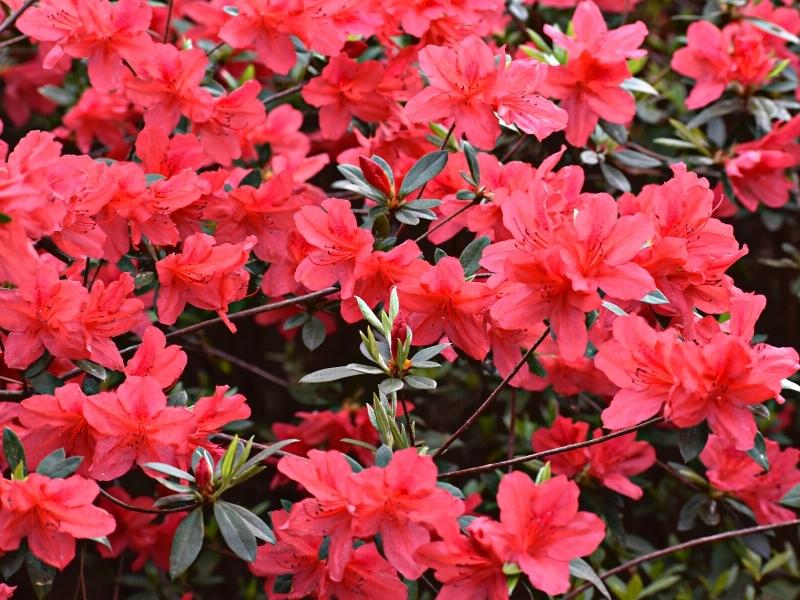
(404, 299)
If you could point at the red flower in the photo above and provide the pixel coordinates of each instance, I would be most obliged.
(155, 359)
(338, 246)
(469, 84)
(542, 530)
(403, 504)
(612, 462)
(50, 513)
(204, 274)
(135, 425)
(441, 303)
(347, 89)
(732, 470)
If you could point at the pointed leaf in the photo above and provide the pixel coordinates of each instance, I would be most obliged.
(583, 570)
(187, 543)
(235, 532)
(425, 169)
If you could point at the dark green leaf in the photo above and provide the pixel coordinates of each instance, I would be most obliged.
(638, 160)
(92, 368)
(472, 162)
(41, 576)
(13, 450)
(331, 374)
(418, 382)
(425, 169)
(792, 497)
(235, 532)
(451, 488)
(282, 585)
(90, 385)
(39, 365)
(187, 543)
(438, 254)
(583, 570)
(56, 466)
(45, 383)
(253, 178)
(383, 456)
(169, 470)
(774, 29)
(259, 528)
(615, 178)
(4, 218)
(759, 452)
(313, 333)
(178, 398)
(471, 256)
(11, 561)
(692, 440)
(616, 132)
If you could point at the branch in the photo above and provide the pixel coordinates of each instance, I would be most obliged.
(552, 451)
(442, 223)
(235, 360)
(12, 18)
(141, 509)
(486, 403)
(717, 537)
(287, 92)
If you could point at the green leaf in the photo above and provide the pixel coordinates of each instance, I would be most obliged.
(313, 333)
(169, 470)
(45, 383)
(102, 540)
(759, 452)
(389, 385)
(615, 178)
(187, 543)
(718, 109)
(39, 365)
(11, 561)
(56, 466)
(92, 368)
(792, 497)
(788, 384)
(774, 29)
(418, 382)
(13, 450)
(692, 440)
(471, 256)
(266, 453)
(450, 488)
(4, 218)
(617, 310)
(615, 131)
(40, 574)
(235, 532)
(253, 179)
(295, 321)
(634, 84)
(583, 570)
(428, 353)
(544, 474)
(655, 297)
(425, 169)
(637, 160)
(383, 455)
(472, 162)
(331, 374)
(256, 525)
(178, 397)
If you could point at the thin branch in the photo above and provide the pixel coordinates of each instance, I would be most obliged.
(552, 451)
(442, 147)
(442, 223)
(235, 360)
(168, 25)
(709, 539)
(512, 426)
(12, 41)
(510, 152)
(287, 92)
(141, 509)
(12, 18)
(493, 395)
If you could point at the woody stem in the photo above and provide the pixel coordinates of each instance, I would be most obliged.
(709, 539)
(12, 18)
(486, 403)
(168, 25)
(141, 509)
(512, 426)
(442, 223)
(552, 451)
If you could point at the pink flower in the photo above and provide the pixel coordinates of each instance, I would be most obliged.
(347, 89)
(50, 513)
(469, 84)
(542, 530)
(612, 462)
(441, 303)
(204, 274)
(732, 470)
(403, 504)
(155, 359)
(135, 425)
(338, 246)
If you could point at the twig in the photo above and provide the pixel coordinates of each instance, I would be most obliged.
(141, 509)
(442, 223)
(12, 41)
(493, 395)
(12, 18)
(510, 152)
(512, 426)
(709, 539)
(552, 451)
(168, 25)
(235, 360)
(287, 92)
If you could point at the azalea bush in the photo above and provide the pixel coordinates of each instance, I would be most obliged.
(400, 299)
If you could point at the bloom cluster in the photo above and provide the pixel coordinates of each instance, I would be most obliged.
(478, 180)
